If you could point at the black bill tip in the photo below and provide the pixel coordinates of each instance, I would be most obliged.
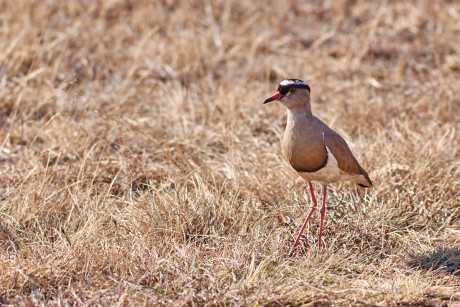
(268, 100)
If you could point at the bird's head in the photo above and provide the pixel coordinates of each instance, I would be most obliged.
(291, 93)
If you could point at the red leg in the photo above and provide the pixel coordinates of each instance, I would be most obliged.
(322, 211)
(313, 208)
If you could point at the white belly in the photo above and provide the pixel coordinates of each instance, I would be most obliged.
(331, 172)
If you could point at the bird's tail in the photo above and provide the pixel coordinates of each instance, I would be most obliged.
(364, 181)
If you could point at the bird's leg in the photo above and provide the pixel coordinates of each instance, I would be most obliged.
(322, 211)
(313, 208)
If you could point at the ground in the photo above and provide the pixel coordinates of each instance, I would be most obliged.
(139, 166)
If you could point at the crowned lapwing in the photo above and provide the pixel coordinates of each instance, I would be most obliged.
(314, 150)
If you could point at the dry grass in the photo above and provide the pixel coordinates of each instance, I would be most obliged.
(138, 164)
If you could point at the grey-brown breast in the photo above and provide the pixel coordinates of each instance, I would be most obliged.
(304, 146)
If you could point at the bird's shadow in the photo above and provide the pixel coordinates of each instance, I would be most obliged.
(441, 259)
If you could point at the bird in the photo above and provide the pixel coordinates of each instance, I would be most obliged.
(315, 151)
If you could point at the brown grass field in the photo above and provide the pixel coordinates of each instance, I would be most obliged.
(139, 166)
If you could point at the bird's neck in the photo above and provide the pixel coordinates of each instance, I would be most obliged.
(299, 114)
(297, 125)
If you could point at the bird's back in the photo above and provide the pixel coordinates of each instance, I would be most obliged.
(347, 163)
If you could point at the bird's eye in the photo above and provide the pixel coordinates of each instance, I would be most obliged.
(292, 89)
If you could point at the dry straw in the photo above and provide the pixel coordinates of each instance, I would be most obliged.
(138, 165)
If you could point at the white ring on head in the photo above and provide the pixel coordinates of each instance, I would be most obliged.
(287, 82)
